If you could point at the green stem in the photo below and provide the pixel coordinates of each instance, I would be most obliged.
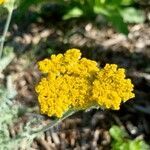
(54, 123)
(10, 11)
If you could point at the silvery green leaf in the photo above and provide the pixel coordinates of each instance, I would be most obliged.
(8, 57)
(10, 88)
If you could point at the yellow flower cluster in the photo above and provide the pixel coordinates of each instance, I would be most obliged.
(73, 82)
(2, 1)
(111, 88)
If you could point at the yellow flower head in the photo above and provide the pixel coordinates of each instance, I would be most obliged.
(73, 82)
(111, 88)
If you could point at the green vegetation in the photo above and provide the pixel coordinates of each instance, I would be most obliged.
(121, 140)
(117, 12)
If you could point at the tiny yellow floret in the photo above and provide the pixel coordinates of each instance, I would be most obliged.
(2, 1)
(72, 82)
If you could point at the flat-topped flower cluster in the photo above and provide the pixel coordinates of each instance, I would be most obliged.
(72, 82)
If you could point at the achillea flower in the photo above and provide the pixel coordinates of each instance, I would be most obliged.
(73, 82)
(111, 88)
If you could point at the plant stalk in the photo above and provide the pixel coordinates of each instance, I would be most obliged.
(10, 11)
(54, 123)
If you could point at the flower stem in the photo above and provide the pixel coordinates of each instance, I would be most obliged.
(10, 11)
(54, 123)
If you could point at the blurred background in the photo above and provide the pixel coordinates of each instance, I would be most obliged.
(107, 31)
